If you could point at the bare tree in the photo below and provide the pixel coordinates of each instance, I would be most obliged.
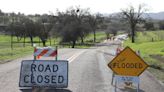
(134, 17)
(113, 24)
(30, 29)
(44, 26)
(94, 21)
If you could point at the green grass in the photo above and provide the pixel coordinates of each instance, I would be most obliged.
(148, 36)
(88, 40)
(4, 38)
(149, 49)
(100, 36)
(7, 54)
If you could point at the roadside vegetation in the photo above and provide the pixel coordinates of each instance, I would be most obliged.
(74, 28)
(22, 49)
(151, 46)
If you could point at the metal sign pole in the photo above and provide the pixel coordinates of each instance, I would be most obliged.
(56, 53)
(138, 52)
(113, 75)
(138, 87)
(35, 58)
(115, 86)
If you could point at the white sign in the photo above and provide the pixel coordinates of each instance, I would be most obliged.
(133, 79)
(44, 73)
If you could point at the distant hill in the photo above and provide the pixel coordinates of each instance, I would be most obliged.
(158, 16)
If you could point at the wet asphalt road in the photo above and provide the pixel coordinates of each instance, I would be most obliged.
(88, 72)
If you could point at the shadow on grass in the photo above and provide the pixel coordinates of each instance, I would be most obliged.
(45, 90)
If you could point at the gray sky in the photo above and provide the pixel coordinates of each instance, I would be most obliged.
(102, 6)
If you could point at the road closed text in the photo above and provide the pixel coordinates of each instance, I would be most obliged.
(43, 79)
(44, 73)
(38, 74)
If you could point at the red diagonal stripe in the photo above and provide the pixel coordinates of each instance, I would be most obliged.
(54, 53)
(43, 52)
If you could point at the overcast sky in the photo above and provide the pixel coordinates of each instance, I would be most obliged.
(102, 6)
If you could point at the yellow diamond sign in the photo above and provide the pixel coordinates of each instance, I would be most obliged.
(128, 63)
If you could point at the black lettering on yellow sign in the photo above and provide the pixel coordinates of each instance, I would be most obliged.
(121, 60)
(127, 65)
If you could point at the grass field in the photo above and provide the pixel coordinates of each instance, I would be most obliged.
(99, 37)
(149, 36)
(7, 54)
(151, 46)
(88, 40)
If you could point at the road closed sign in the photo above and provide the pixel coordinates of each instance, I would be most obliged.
(44, 73)
(128, 63)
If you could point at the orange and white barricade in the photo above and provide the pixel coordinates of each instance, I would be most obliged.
(118, 50)
(45, 52)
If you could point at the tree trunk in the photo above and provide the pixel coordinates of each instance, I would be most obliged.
(73, 44)
(39, 41)
(94, 33)
(107, 36)
(31, 40)
(82, 40)
(44, 43)
(50, 41)
(133, 39)
(133, 33)
(24, 41)
(12, 41)
(17, 38)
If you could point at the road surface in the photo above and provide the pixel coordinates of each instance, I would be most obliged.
(88, 72)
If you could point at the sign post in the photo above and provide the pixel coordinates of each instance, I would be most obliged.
(127, 63)
(56, 58)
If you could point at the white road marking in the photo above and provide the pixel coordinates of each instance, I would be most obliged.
(75, 56)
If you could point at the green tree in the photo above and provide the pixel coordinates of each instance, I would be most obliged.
(161, 25)
(72, 25)
(149, 25)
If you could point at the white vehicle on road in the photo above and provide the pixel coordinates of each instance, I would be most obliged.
(121, 37)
